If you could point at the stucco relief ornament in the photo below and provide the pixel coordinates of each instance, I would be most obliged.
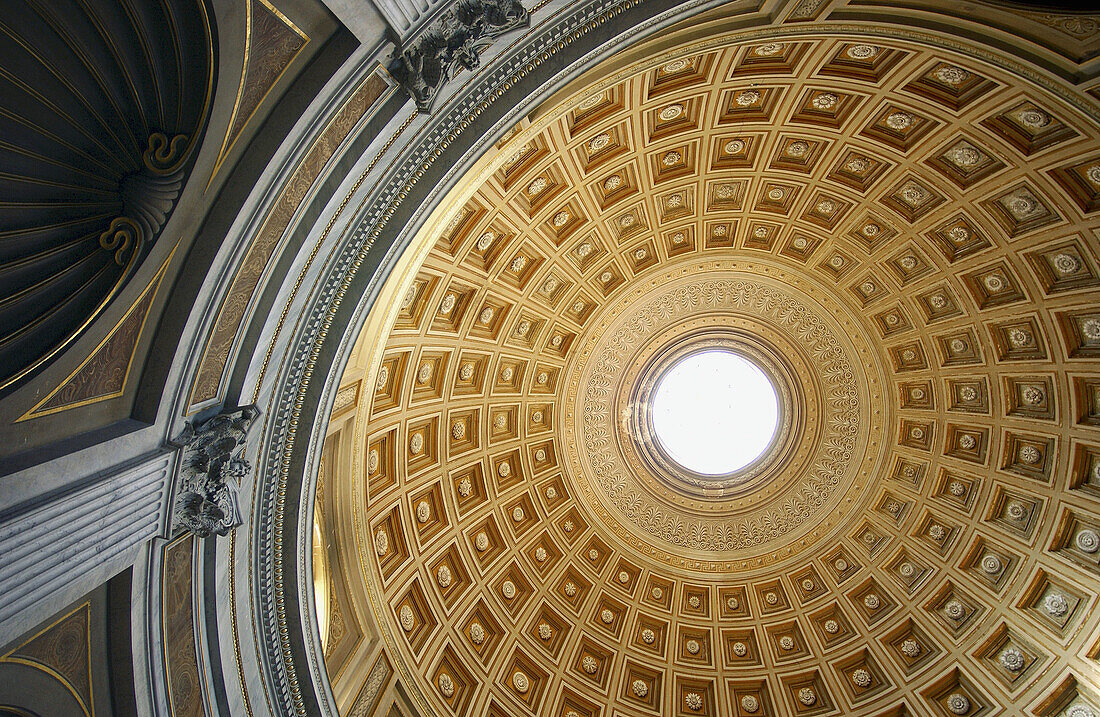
(747, 98)
(693, 701)
(451, 43)
(1012, 659)
(671, 112)
(911, 648)
(958, 704)
(900, 121)
(797, 149)
(639, 688)
(446, 685)
(595, 424)
(862, 52)
(1030, 455)
(485, 241)
(964, 156)
(1087, 541)
(1021, 204)
(951, 75)
(406, 618)
(381, 543)
(447, 304)
(750, 703)
(1056, 605)
(807, 696)
(211, 471)
(1066, 264)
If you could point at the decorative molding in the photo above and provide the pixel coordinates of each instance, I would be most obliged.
(367, 699)
(103, 375)
(63, 651)
(208, 379)
(180, 655)
(347, 398)
(57, 551)
(453, 42)
(271, 44)
(211, 472)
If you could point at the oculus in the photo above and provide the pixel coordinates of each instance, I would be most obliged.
(715, 412)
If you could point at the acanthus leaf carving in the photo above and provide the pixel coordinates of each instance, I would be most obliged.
(211, 472)
(453, 42)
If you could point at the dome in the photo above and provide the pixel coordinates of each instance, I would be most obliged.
(891, 231)
(550, 359)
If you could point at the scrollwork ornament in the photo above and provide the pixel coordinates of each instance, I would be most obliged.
(163, 155)
(124, 238)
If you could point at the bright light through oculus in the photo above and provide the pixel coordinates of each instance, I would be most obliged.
(715, 412)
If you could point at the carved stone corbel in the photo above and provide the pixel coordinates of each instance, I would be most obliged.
(453, 41)
(211, 472)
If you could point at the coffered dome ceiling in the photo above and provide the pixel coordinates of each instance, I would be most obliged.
(903, 238)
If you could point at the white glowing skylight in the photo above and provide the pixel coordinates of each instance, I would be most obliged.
(715, 412)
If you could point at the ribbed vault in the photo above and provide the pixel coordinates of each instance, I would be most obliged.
(907, 233)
